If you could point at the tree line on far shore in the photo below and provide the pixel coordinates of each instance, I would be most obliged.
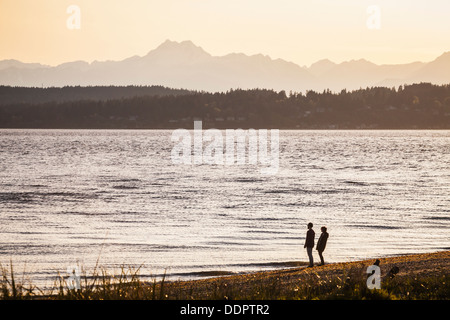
(417, 106)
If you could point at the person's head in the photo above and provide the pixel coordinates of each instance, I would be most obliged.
(310, 225)
(323, 229)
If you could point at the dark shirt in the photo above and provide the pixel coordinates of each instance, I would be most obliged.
(309, 243)
(322, 241)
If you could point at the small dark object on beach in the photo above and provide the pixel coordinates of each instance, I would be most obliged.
(393, 272)
(376, 263)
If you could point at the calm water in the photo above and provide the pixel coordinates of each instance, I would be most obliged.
(72, 197)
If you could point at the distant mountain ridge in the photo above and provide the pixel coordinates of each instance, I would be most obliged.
(187, 66)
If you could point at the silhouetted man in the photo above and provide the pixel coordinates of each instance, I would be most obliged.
(309, 243)
(322, 243)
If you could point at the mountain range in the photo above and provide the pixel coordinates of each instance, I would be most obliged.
(185, 65)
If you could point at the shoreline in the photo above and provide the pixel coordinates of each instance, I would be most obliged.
(414, 262)
(423, 276)
(410, 266)
(272, 267)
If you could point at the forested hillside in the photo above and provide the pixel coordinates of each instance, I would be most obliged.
(419, 106)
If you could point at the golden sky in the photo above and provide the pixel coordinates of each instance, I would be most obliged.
(295, 30)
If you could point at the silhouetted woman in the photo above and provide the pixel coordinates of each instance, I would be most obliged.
(322, 243)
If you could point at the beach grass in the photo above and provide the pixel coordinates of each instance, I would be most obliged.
(419, 277)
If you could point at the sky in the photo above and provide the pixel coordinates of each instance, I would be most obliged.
(381, 31)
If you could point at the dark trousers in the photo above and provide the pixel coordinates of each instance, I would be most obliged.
(311, 259)
(321, 257)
